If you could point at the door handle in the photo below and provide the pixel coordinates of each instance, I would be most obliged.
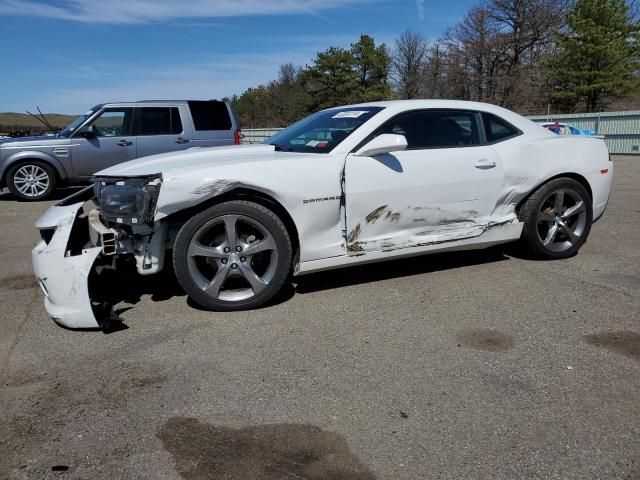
(182, 140)
(484, 164)
(124, 143)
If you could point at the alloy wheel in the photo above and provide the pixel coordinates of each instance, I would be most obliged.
(31, 180)
(232, 257)
(561, 220)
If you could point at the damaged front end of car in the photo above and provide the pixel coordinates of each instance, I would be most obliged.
(86, 236)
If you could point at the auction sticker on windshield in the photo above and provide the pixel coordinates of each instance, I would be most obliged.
(350, 114)
(317, 143)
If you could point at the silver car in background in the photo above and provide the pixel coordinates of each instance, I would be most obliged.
(109, 134)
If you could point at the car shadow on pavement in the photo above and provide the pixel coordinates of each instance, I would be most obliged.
(386, 270)
(112, 289)
(109, 289)
(126, 285)
(516, 250)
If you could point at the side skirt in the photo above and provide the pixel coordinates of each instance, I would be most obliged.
(494, 236)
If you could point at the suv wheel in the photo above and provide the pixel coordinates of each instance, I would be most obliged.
(232, 256)
(31, 181)
(557, 219)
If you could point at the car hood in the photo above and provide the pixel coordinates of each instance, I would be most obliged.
(193, 159)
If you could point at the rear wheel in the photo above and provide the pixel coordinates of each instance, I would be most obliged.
(557, 219)
(233, 256)
(31, 181)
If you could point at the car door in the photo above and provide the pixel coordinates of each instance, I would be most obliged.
(443, 187)
(111, 142)
(160, 130)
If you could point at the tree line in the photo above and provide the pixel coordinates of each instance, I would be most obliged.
(531, 56)
(336, 76)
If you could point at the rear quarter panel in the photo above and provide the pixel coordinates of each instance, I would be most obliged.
(210, 138)
(530, 163)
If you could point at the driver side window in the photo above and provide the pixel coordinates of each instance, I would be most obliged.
(435, 129)
(113, 122)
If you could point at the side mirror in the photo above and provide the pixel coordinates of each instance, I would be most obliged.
(86, 131)
(385, 143)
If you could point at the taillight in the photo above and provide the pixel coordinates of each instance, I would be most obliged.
(236, 137)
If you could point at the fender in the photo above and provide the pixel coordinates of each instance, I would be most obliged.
(32, 155)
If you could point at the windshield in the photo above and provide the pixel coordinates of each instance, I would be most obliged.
(79, 120)
(322, 131)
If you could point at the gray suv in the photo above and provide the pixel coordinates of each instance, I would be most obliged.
(108, 134)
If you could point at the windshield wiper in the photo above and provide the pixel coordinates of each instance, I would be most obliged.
(280, 148)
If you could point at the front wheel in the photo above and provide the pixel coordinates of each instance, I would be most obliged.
(233, 256)
(557, 219)
(31, 181)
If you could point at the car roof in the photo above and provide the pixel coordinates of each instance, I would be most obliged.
(432, 103)
(172, 102)
(178, 101)
(398, 106)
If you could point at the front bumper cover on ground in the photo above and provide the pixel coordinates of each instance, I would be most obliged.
(65, 279)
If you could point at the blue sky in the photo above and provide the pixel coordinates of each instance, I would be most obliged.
(67, 55)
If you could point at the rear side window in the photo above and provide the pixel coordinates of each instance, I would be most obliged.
(210, 115)
(435, 128)
(497, 129)
(158, 121)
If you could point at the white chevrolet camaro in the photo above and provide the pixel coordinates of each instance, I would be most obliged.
(344, 186)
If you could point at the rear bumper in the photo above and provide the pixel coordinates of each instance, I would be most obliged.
(601, 184)
(65, 279)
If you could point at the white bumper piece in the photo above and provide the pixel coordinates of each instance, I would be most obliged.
(64, 279)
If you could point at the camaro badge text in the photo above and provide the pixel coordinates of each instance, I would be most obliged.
(323, 199)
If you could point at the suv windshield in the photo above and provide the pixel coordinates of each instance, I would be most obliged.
(322, 131)
(79, 120)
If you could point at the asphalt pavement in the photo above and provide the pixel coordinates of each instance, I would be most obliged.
(462, 365)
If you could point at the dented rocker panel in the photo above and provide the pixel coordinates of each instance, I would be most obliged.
(495, 236)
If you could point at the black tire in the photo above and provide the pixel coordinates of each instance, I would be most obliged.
(16, 172)
(279, 266)
(539, 214)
